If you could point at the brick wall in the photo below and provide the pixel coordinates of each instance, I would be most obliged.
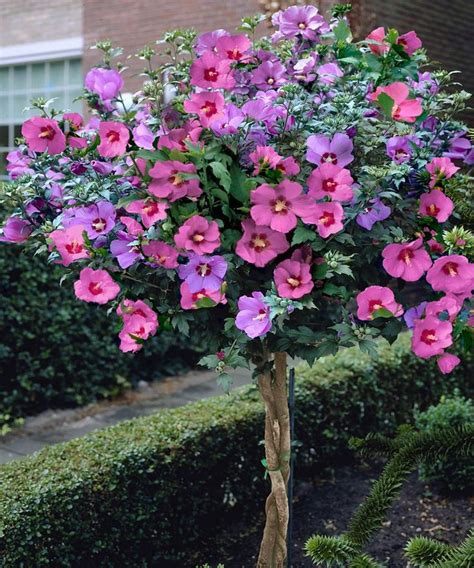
(27, 21)
(135, 23)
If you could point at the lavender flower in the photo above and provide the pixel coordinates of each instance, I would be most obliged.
(337, 151)
(203, 272)
(377, 211)
(254, 315)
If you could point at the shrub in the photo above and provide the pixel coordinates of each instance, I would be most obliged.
(450, 474)
(148, 492)
(55, 351)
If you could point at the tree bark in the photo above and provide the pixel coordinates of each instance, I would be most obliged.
(273, 388)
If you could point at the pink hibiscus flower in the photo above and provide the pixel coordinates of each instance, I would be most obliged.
(70, 243)
(264, 157)
(279, 207)
(453, 273)
(43, 135)
(114, 138)
(198, 235)
(436, 204)
(374, 298)
(259, 245)
(378, 36)
(209, 106)
(331, 181)
(327, 218)
(403, 109)
(440, 169)
(410, 42)
(140, 322)
(161, 254)
(212, 72)
(189, 300)
(447, 362)
(150, 211)
(446, 304)
(430, 337)
(95, 286)
(233, 47)
(293, 279)
(408, 261)
(168, 181)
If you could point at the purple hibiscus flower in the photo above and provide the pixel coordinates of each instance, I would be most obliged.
(322, 150)
(376, 211)
(413, 314)
(207, 42)
(269, 75)
(254, 315)
(104, 82)
(329, 72)
(400, 148)
(125, 253)
(229, 122)
(459, 146)
(98, 219)
(203, 272)
(303, 21)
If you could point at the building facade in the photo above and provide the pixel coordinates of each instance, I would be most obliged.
(45, 46)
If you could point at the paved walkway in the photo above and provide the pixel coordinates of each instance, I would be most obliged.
(55, 426)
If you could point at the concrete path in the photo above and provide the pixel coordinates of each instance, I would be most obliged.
(55, 426)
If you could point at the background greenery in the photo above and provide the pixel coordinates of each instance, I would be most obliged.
(56, 351)
(118, 497)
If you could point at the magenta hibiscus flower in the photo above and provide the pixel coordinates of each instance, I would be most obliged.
(431, 336)
(43, 135)
(96, 286)
(259, 245)
(408, 261)
(375, 298)
(331, 181)
(198, 235)
(293, 279)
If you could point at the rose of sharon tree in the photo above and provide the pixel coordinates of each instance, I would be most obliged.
(284, 195)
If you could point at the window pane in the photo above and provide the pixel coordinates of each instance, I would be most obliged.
(38, 76)
(4, 136)
(3, 108)
(75, 72)
(17, 131)
(19, 104)
(4, 72)
(56, 74)
(19, 77)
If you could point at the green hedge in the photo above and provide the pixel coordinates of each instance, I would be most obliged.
(56, 351)
(150, 491)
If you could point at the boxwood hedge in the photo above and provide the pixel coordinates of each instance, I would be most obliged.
(150, 491)
(58, 352)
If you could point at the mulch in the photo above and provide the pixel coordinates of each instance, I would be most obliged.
(325, 506)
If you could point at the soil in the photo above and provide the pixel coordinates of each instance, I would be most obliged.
(325, 506)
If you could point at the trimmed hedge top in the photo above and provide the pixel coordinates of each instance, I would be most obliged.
(147, 491)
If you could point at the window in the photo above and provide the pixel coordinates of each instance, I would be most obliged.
(61, 79)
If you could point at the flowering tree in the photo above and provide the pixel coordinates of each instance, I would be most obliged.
(284, 195)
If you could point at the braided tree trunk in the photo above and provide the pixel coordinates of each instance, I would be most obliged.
(273, 388)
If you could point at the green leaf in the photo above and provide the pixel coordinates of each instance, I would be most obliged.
(386, 103)
(326, 348)
(209, 361)
(369, 347)
(240, 184)
(205, 303)
(342, 31)
(303, 235)
(180, 322)
(382, 313)
(222, 174)
(224, 380)
(320, 271)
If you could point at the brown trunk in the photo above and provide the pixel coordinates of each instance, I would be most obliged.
(277, 452)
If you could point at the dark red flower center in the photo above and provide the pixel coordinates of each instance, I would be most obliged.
(259, 242)
(99, 224)
(329, 185)
(209, 108)
(329, 158)
(47, 132)
(327, 219)
(112, 136)
(293, 281)
(280, 206)
(375, 305)
(74, 247)
(432, 210)
(203, 269)
(211, 74)
(95, 288)
(451, 269)
(428, 336)
(406, 255)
